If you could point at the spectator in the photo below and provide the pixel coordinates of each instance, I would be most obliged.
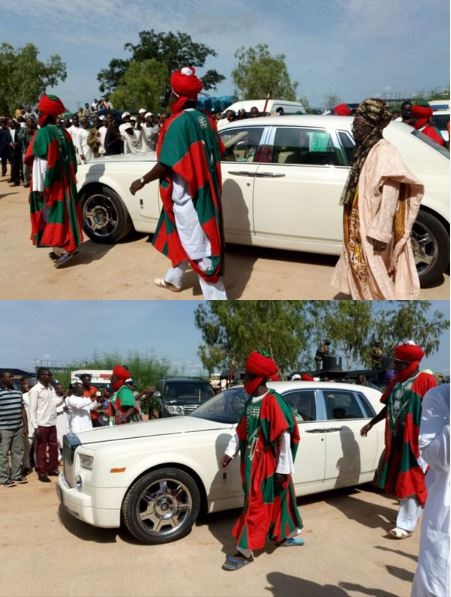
(230, 116)
(85, 111)
(43, 403)
(132, 138)
(341, 110)
(80, 408)
(5, 141)
(254, 113)
(15, 152)
(84, 151)
(62, 417)
(13, 426)
(122, 403)
(91, 392)
(125, 122)
(103, 128)
(73, 131)
(422, 114)
(113, 141)
(28, 455)
(94, 136)
(26, 134)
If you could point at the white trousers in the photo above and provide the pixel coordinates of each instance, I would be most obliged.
(211, 292)
(408, 515)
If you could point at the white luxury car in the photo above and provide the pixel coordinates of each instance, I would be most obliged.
(158, 477)
(282, 181)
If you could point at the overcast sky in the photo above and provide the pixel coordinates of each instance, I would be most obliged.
(354, 48)
(65, 331)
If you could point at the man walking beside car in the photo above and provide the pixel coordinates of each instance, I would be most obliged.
(190, 229)
(267, 437)
(381, 201)
(402, 471)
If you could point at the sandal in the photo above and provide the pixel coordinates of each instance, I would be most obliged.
(236, 562)
(292, 542)
(398, 533)
(64, 258)
(161, 283)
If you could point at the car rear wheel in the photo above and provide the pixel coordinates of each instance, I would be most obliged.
(430, 243)
(161, 506)
(105, 217)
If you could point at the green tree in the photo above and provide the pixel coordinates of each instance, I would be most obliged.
(258, 73)
(171, 50)
(142, 84)
(24, 77)
(232, 329)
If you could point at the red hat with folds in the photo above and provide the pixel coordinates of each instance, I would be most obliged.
(342, 110)
(51, 105)
(185, 83)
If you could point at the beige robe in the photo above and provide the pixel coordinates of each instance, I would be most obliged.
(392, 273)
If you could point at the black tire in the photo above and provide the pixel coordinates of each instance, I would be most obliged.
(105, 217)
(169, 498)
(430, 243)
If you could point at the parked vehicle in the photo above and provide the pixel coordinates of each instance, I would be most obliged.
(266, 106)
(282, 181)
(100, 378)
(181, 395)
(158, 477)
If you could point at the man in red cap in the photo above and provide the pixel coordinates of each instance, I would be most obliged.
(341, 110)
(122, 402)
(402, 472)
(190, 229)
(267, 437)
(55, 214)
(421, 114)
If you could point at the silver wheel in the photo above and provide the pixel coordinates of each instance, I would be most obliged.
(100, 215)
(164, 506)
(430, 244)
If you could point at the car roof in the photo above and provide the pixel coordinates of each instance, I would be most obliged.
(283, 386)
(295, 120)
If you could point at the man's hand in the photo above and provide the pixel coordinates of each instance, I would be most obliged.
(365, 429)
(378, 245)
(136, 186)
(37, 433)
(226, 461)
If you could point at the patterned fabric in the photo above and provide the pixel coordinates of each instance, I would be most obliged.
(378, 116)
(189, 146)
(11, 405)
(401, 476)
(269, 511)
(56, 221)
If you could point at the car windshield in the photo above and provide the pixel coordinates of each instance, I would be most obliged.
(432, 143)
(188, 390)
(225, 407)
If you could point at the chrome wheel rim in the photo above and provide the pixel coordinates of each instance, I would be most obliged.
(164, 506)
(425, 247)
(100, 215)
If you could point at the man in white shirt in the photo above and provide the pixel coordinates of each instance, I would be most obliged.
(84, 151)
(74, 131)
(43, 403)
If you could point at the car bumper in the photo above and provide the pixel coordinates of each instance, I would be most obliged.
(80, 505)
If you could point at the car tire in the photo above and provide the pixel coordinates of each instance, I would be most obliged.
(105, 217)
(430, 243)
(161, 506)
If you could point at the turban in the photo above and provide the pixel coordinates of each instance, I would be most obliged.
(185, 83)
(307, 377)
(121, 373)
(342, 110)
(421, 114)
(262, 367)
(375, 112)
(50, 105)
(412, 354)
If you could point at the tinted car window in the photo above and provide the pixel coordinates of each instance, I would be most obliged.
(348, 146)
(188, 389)
(225, 407)
(241, 143)
(342, 405)
(302, 145)
(370, 412)
(303, 403)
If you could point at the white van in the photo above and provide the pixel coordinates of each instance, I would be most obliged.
(100, 378)
(272, 106)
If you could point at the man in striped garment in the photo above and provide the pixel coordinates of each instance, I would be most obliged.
(13, 425)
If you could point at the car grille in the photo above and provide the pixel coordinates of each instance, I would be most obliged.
(70, 444)
(187, 410)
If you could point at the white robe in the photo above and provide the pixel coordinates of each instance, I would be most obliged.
(80, 413)
(83, 147)
(432, 575)
(62, 423)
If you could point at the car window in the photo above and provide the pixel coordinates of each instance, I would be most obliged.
(370, 412)
(303, 403)
(348, 146)
(303, 145)
(176, 389)
(431, 143)
(342, 405)
(241, 143)
(225, 407)
(441, 121)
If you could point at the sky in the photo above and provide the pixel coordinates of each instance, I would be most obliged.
(66, 331)
(351, 48)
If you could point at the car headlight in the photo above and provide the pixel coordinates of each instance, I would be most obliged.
(175, 410)
(86, 461)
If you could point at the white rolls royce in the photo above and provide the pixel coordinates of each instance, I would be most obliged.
(158, 477)
(282, 181)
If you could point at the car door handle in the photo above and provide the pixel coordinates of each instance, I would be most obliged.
(242, 173)
(315, 430)
(268, 175)
(332, 429)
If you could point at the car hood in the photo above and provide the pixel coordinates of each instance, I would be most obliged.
(166, 426)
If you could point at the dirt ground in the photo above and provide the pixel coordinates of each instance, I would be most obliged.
(47, 552)
(127, 270)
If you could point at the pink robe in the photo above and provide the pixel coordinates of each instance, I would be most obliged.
(392, 273)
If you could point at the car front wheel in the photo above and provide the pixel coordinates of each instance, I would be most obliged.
(161, 506)
(105, 217)
(430, 243)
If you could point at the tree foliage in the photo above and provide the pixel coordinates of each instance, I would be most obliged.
(292, 330)
(170, 50)
(258, 73)
(142, 84)
(24, 77)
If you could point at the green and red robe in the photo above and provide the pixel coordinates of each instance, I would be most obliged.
(268, 512)
(191, 148)
(401, 476)
(56, 221)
